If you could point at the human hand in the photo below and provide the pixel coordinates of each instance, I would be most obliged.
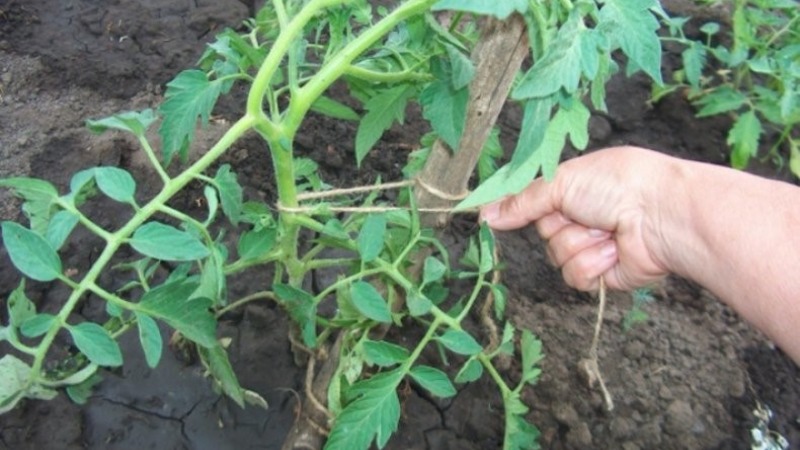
(601, 216)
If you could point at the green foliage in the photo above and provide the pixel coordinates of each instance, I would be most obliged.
(382, 111)
(373, 413)
(135, 122)
(161, 241)
(95, 342)
(637, 314)
(369, 302)
(31, 253)
(191, 95)
(433, 380)
(751, 73)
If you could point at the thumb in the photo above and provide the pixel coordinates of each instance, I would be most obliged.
(521, 209)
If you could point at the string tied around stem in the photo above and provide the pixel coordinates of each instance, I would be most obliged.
(416, 181)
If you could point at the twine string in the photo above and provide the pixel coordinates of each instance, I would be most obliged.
(373, 188)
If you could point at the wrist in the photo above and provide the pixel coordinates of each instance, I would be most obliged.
(670, 228)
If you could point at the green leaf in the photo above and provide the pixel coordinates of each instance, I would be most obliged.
(633, 26)
(212, 276)
(486, 244)
(220, 366)
(15, 384)
(60, 227)
(80, 393)
(463, 71)
(40, 199)
(382, 111)
(371, 237)
(710, 28)
(164, 242)
(116, 183)
(471, 257)
(373, 413)
(433, 380)
(531, 355)
(331, 108)
(82, 187)
(519, 434)
(508, 180)
(192, 317)
(37, 325)
(561, 64)
(369, 302)
(212, 202)
(150, 338)
(135, 122)
(491, 152)
(230, 193)
(535, 118)
(472, 370)
(743, 137)
(384, 353)
(446, 109)
(31, 253)
(461, 342)
(302, 308)
(694, 58)
(20, 308)
(500, 294)
(500, 9)
(433, 270)
(794, 157)
(720, 100)
(418, 304)
(506, 342)
(189, 96)
(255, 244)
(96, 343)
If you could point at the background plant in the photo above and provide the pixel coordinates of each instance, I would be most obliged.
(751, 72)
(393, 272)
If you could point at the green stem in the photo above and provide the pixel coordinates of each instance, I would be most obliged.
(243, 264)
(13, 339)
(782, 31)
(498, 379)
(151, 156)
(91, 226)
(282, 44)
(325, 263)
(263, 295)
(386, 77)
(330, 289)
(117, 239)
(337, 66)
(190, 220)
(111, 298)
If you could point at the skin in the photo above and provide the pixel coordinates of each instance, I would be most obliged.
(633, 216)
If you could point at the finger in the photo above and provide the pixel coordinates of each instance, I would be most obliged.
(519, 210)
(551, 224)
(583, 271)
(573, 239)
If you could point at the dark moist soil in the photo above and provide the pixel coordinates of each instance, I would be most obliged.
(687, 378)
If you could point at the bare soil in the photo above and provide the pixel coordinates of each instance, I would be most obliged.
(687, 378)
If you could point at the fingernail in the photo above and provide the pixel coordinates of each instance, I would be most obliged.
(609, 250)
(596, 233)
(490, 212)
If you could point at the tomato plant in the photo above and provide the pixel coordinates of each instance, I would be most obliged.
(751, 73)
(395, 272)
